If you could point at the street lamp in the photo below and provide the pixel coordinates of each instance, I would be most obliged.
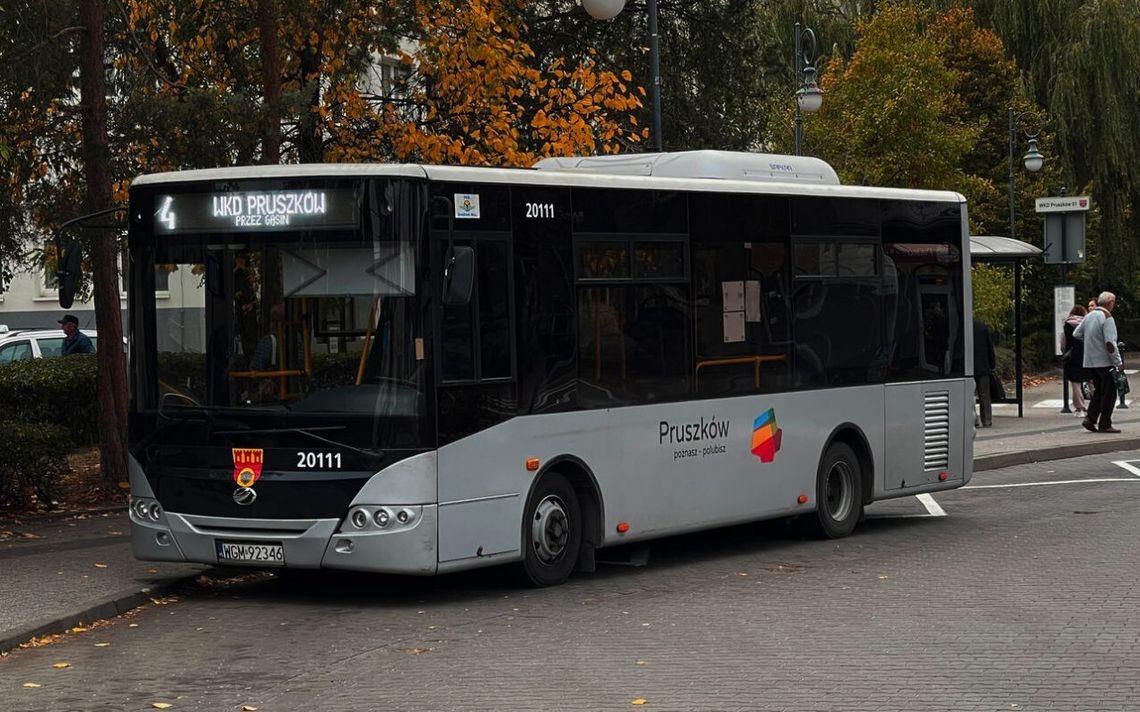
(1033, 161)
(808, 96)
(608, 10)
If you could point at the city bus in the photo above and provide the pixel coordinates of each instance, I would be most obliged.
(419, 369)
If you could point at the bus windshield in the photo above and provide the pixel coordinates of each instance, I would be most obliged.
(285, 331)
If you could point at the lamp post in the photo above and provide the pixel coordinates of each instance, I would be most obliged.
(808, 96)
(1033, 161)
(609, 9)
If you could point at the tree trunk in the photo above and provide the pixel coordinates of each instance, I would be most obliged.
(310, 139)
(111, 381)
(271, 80)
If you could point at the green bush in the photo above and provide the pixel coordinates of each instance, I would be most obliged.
(35, 457)
(331, 370)
(58, 391)
(183, 372)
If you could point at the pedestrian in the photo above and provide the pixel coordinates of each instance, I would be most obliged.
(75, 341)
(1073, 358)
(1098, 331)
(984, 363)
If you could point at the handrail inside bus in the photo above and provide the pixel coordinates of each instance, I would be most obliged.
(755, 359)
(367, 340)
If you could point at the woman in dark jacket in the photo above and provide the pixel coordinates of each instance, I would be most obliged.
(1074, 350)
(984, 364)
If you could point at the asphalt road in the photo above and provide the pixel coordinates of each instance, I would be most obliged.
(1022, 596)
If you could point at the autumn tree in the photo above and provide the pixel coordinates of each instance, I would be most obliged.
(473, 91)
(38, 130)
(891, 115)
(1082, 63)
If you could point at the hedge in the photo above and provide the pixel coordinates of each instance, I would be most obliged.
(57, 391)
(35, 457)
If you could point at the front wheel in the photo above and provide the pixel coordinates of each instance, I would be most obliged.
(838, 491)
(552, 532)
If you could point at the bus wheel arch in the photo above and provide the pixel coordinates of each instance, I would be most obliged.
(564, 488)
(844, 481)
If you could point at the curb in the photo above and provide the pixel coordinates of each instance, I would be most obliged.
(119, 604)
(1058, 452)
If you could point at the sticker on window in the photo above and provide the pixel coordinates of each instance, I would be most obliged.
(467, 205)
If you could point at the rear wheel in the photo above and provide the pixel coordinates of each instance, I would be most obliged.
(552, 532)
(838, 491)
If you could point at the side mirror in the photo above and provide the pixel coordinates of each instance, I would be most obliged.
(458, 275)
(67, 273)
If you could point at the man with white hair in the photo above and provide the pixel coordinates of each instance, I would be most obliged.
(1098, 332)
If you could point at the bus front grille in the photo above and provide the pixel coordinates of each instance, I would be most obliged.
(936, 430)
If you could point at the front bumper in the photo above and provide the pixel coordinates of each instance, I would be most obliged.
(307, 544)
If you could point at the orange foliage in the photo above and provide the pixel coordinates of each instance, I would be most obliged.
(476, 95)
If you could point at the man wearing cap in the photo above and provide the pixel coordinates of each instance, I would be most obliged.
(76, 341)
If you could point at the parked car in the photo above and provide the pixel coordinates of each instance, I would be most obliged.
(25, 344)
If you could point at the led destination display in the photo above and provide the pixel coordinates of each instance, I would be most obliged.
(256, 210)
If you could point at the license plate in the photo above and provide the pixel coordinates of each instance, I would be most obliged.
(250, 552)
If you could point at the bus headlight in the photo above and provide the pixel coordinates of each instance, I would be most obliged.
(382, 518)
(359, 518)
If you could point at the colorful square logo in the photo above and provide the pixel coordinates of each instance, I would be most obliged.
(766, 436)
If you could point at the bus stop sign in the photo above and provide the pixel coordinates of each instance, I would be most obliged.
(1064, 228)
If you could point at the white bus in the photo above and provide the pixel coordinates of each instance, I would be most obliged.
(422, 369)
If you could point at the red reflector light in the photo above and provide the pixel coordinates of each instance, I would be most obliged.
(532, 464)
(943, 476)
(623, 527)
(802, 499)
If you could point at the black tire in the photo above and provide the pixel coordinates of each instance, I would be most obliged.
(838, 491)
(552, 532)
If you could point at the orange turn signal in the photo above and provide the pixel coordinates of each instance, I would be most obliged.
(623, 527)
(532, 464)
(802, 499)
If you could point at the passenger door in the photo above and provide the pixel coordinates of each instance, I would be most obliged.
(476, 373)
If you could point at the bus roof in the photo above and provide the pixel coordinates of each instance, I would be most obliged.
(597, 174)
(724, 165)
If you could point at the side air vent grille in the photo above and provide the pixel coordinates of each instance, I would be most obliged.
(936, 430)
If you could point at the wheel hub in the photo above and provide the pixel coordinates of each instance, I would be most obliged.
(550, 529)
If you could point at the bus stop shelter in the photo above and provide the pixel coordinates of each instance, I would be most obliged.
(1006, 250)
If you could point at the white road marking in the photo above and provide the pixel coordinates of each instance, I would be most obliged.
(1126, 464)
(1052, 402)
(1056, 482)
(931, 506)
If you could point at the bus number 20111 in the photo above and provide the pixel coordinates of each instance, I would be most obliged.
(309, 460)
(539, 210)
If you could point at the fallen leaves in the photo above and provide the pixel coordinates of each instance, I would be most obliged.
(32, 684)
(161, 705)
(639, 701)
(61, 666)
